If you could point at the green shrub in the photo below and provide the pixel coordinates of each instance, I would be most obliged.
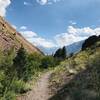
(18, 86)
(17, 70)
(32, 66)
(48, 61)
(2, 79)
(10, 95)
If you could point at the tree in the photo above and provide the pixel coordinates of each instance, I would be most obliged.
(60, 53)
(64, 52)
(20, 62)
(90, 41)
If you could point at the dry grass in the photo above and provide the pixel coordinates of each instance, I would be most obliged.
(77, 78)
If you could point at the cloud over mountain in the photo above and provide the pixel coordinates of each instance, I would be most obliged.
(75, 34)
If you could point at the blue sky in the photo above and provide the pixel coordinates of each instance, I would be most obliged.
(53, 23)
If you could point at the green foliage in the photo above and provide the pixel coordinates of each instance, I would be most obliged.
(32, 66)
(10, 95)
(6, 74)
(90, 42)
(9, 83)
(1, 58)
(18, 69)
(18, 86)
(61, 53)
(48, 61)
(2, 78)
(64, 52)
(20, 62)
(58, 53)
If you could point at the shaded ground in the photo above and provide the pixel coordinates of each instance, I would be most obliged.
(83, 86)
(40, 91)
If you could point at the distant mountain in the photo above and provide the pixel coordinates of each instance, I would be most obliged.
(48, 51)
(9, 38)
(75, 47)
(72, 48)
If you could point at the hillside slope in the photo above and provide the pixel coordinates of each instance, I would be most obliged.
(78, 77)
(9, 38)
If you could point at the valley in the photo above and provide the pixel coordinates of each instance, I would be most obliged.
(29, 72)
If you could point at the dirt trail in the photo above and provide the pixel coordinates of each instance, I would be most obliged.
(40, 91)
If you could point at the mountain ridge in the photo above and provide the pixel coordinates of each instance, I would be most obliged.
(11, 38)
(72, 48)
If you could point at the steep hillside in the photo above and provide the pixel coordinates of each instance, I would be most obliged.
(9, 37)
(78, 77)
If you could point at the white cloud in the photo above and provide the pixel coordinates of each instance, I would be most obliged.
(27, 3)
(23, 28)
(67, 39)
(74, 34)
(3, 5)
(72, 22)
(42, 2)
(83, 32)
(28, 34)
(37, 40)
(49, 2)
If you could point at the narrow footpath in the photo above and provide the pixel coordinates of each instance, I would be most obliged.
(40, 91)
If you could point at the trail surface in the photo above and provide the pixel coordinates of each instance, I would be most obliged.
(40, 91)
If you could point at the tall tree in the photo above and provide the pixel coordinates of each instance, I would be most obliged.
(64, 53)
(58, 53)
(20, 62)
(61, 53)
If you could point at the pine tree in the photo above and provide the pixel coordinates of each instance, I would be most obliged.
(64, 52)
(20, 62)
(58, 53)
(61, 53)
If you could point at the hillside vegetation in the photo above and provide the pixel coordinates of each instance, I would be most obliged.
(78, 77)
(73, 77)
(19, 72)
(21, 63)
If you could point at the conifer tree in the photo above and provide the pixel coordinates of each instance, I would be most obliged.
(60, 53)
(20, 62)
(64, 52)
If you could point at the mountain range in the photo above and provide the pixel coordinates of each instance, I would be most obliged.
(72, 48)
